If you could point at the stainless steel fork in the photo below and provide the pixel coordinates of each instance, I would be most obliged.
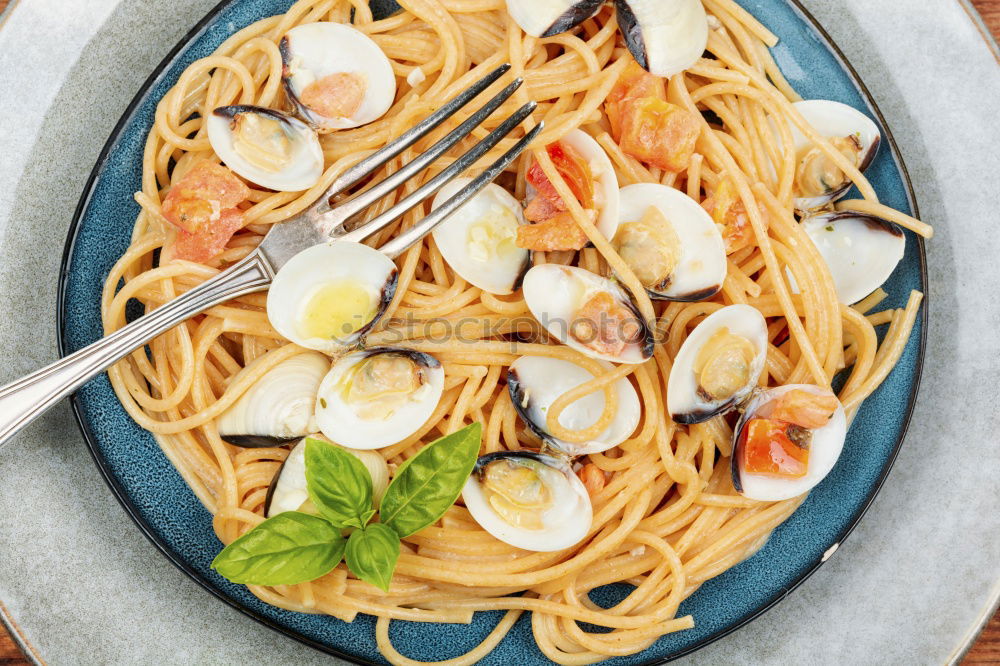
(25, 399)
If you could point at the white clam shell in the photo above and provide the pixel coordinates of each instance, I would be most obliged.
(605, 179)
(278, 407)
(683, 402)
(554, 293)
(288, 491)
(664, 36)
(702, 268)
(315, 50)
(317, 266)
(304, 168)
(535, 382)
(481, 266)
(834, 119)
(543, 18)
(824, 451)
(565, 523)
(861, 251)
(340, 422)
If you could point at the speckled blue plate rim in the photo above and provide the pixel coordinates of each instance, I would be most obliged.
(134, 513)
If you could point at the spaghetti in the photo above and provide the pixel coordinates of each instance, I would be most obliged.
(666, 516)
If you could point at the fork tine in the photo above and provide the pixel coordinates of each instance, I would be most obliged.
(406, 139)
(344, 210)
(434, 184)
(403, 241)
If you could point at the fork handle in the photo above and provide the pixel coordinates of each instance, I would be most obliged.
(25, 399)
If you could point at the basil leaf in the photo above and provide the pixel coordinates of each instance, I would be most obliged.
(372, 554)
(430, 482)
(289, 548)
(339, 484)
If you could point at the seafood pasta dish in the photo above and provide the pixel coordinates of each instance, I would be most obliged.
(626, 360)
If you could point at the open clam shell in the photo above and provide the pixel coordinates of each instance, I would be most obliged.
(825, 446)
(544, 18)
(560, 297)
(835, 121)
(732, 340)
(861, 250)
(664, 36)
(328, 296)
(678, 254)
(378, 397)
(266, 147)
(529, 500)
(535, 382)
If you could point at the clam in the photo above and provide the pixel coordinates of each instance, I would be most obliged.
(589, 174)
(818, 181)
(718, 364)
(535, 382)
(378, 397)
(860, 250)
(478, 239)
(529, 500)
(664, 36)
(336, 76)
(589, 313)
(278, 408)
(328, 296)
(787, 441)
(266, 147)
(288, 492)
(606, 190)
(544, 18)
(671, 244)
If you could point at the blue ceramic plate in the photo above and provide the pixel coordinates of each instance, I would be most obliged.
(170, 516)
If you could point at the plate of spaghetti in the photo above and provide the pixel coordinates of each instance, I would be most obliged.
(614, 407)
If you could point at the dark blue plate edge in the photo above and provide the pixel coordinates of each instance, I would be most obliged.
(125, 500)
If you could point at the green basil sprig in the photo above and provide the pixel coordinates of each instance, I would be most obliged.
(294, 547)
(430, 482)
(372, 553)
(291, 547)
(338, 484)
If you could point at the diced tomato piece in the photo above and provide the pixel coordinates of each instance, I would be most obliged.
(573, 169)
(605, 325)
(658, 133)
(559, 232)
(727, 209)
(209, 241)
(805, 409)
(593, 478)
(767, 449)
(199, 198)
(336, 95)
(634, 83)
(540, 209)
